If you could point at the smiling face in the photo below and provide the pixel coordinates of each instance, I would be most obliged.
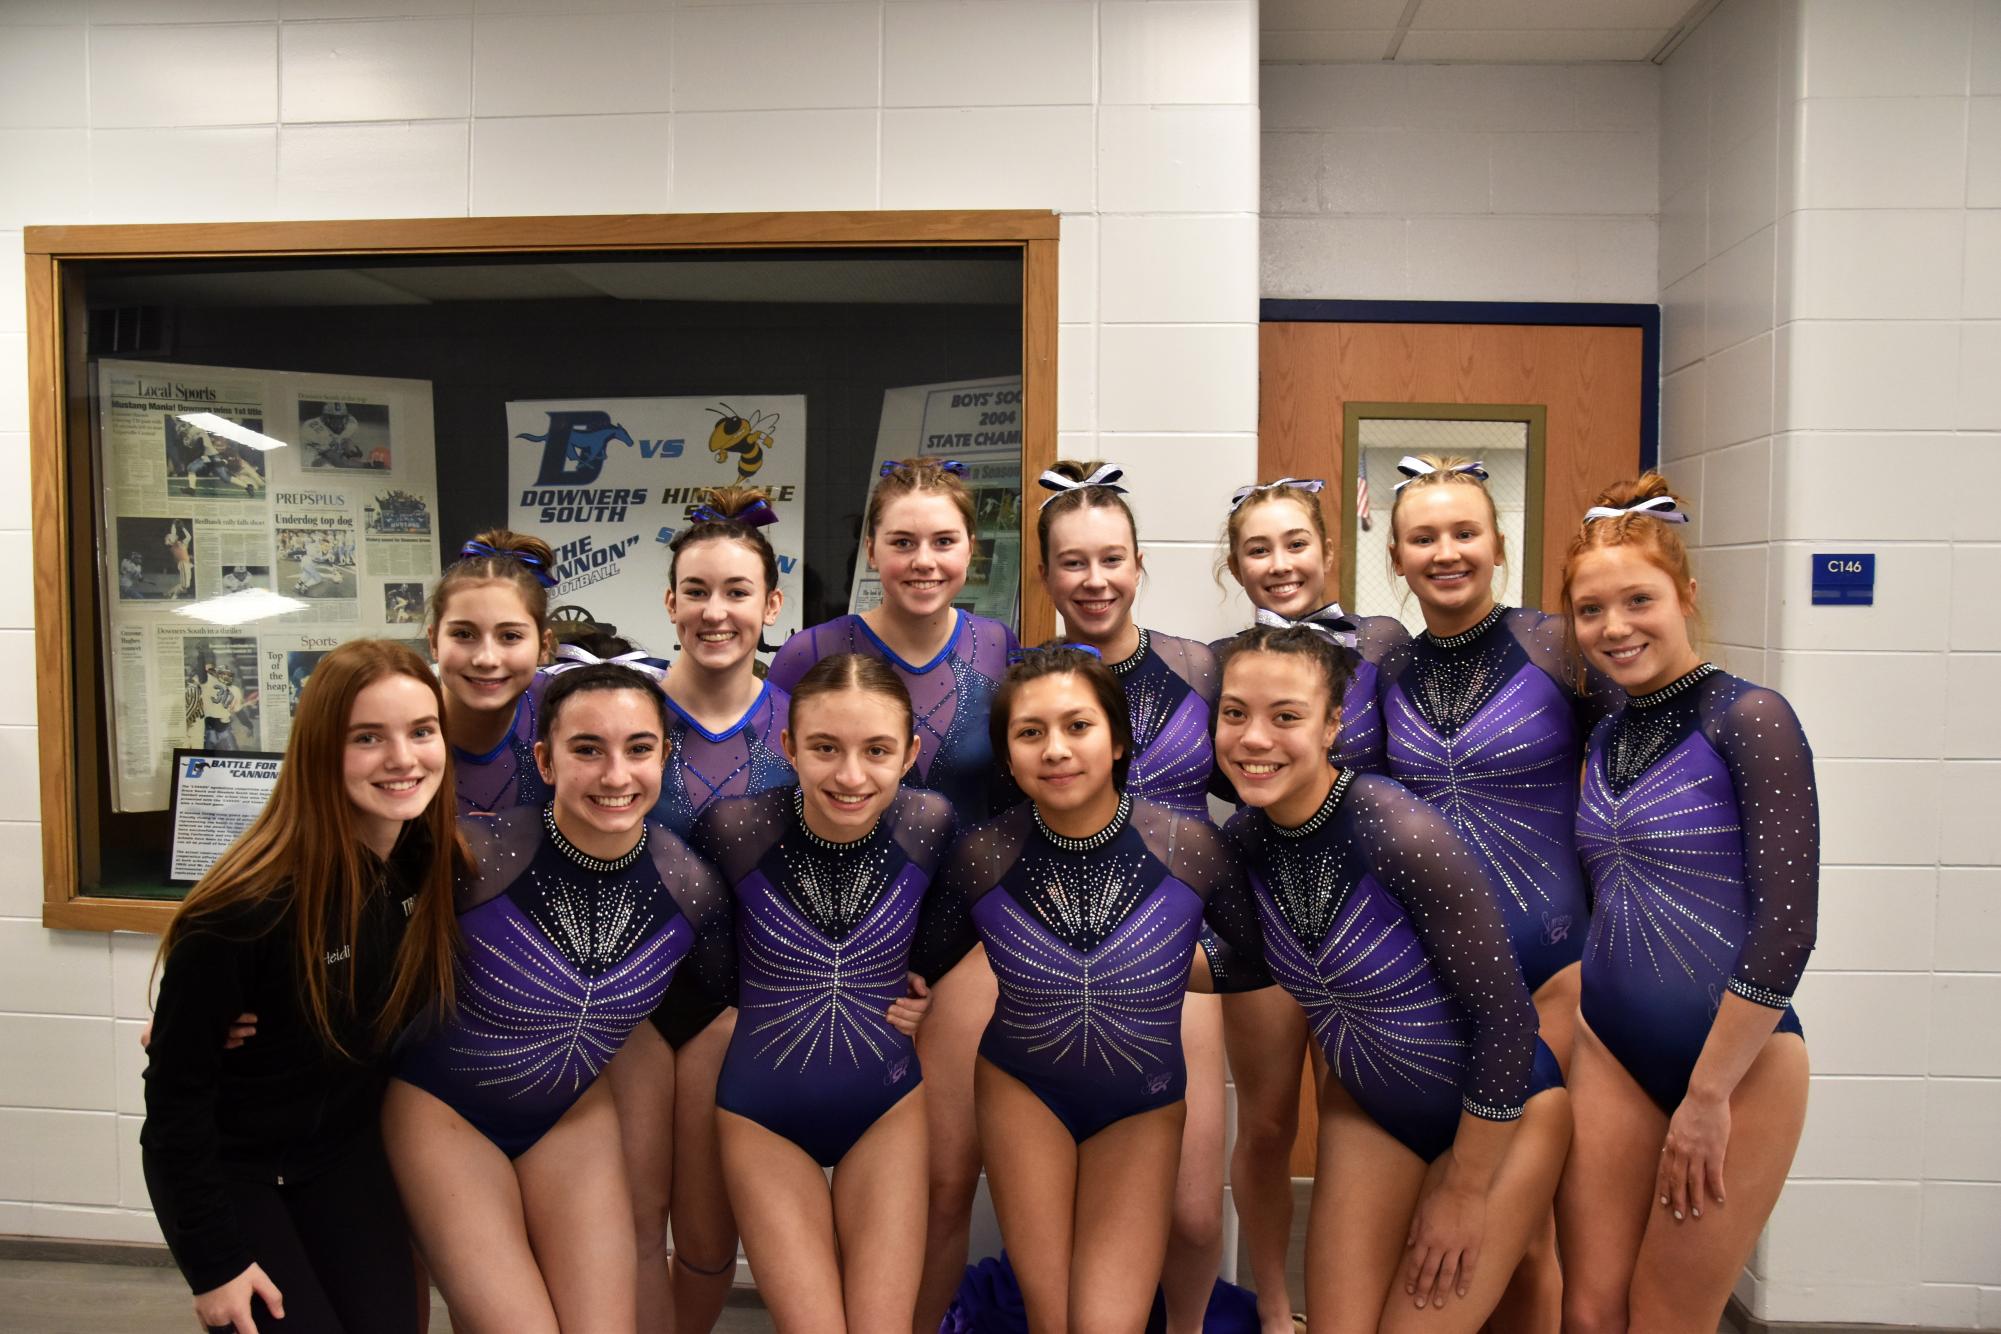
(719, 604)
(1274, 726)
(920, 548)
(1093, 572)
(1279, 556)
(486, 646)
(1060, 750)
(851, 749)
(1629, 618)
(1446, 546)
(603, 757)
(394, 757)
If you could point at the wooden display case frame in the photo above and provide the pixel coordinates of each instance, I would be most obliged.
(64, 536)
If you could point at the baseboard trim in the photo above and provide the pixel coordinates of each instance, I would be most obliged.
(79, 1251)
(1744, 1322)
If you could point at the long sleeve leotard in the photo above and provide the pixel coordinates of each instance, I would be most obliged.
(739, 761)
(1170, 686)
(561, 956)
(1489, 728)
(823, 933)
(952, 695)
(1700, 829)
(1378, 919)
(1090, 941)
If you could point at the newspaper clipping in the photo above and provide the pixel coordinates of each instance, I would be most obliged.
(252, 517)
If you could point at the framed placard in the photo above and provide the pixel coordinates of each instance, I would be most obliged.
(216, 794)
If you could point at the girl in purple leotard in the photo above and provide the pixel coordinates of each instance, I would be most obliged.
(829, 877)
(1091, 566)
(1275, 544)
(918, 529)
(723, 724)
(1700, 831)
(1443, 1122)
(489, 630)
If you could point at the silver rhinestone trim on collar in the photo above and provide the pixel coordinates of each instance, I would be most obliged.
(1467, 636)
(1095, 841)
(1326, 811)
(826, 844)
(584, 859)
(1673, 688)
(1133, 659)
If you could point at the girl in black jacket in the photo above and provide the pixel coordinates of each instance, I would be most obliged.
(331, 920)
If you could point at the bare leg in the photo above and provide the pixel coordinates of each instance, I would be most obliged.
(1195, 1244)
(642, 1083)
(1032, 1172)
(579, 1216)
(704, 1226)
(1533, 1303)
(1364, 1191)
(788, 1226)
(1603, 1202)
(961, 1005)
(879, 1211)
(1125, 1182)
(1686, 1270)
(464, 1206)
(1265, 1032)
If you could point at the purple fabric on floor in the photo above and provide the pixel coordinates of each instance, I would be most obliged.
(989, 1302)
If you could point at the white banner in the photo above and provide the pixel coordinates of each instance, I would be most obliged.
(608, 482)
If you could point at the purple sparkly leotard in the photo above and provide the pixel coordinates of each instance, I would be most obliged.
(1700, 829)
(1091, 941)
(823, 945)
(740, 761)
(1487, 726)
(1170, 687)
(952, 694)
(1378, 919)
(505, 777)
(561, 956)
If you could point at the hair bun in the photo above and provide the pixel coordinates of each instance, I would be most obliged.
(1624, 495)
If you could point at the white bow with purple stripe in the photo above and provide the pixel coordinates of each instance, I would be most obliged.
(1243, 493)
(1413, 468)
(1106, 476)
(1665, 508)
(1330, 621)
(573, 657)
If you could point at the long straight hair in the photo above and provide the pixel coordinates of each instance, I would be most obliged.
(306, 844)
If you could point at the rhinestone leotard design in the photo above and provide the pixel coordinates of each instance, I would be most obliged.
(505, 777)
(1170, 687)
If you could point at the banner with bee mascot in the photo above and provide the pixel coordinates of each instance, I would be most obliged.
(607, 482)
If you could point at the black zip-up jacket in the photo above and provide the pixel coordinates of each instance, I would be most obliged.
(283, 1107)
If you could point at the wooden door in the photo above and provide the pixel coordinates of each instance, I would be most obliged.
(1586, 380)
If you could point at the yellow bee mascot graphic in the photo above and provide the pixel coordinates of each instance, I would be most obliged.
(745, 437)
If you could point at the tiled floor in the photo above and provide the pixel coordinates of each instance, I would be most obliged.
(46, 1297)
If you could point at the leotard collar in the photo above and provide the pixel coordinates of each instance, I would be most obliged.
(958, 624)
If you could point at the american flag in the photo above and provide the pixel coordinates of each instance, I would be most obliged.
(1362, 488)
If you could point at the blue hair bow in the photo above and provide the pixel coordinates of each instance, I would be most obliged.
(953, 466)
(756, 514)
(1018, 654)
(475, 549)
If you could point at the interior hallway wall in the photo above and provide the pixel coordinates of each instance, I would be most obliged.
(1830, 266)
(1460, 182)
(1136, 119)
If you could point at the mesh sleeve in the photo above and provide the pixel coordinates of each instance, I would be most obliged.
(1194, 663)
(732, 834)
(1194, 852)
(1771, 766)
(925, 824)
(1415, 854)
(1546, 640)
(501, 848)
(1378, 638)
(795, 657)
(708, 975)
(945, 930)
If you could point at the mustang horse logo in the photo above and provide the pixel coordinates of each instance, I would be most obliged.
(575, 448)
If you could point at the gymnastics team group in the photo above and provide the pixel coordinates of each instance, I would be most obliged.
(543, 949)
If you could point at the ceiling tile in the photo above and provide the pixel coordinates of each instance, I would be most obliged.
(1277, 48)
(1546, 15)
(1561, 46)
(1329, 15)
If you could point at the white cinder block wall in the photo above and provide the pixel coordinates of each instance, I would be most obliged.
(1137, 119)
(1460, 182)
(1831, 278)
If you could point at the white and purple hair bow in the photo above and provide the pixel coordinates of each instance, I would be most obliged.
(1330, 621)
(1243, 493)
(573, 656)
(1665, 508)
(1413, 468)
(1106, 476)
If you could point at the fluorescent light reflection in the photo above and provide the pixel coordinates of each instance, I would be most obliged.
(240, 608)
(230, 430)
